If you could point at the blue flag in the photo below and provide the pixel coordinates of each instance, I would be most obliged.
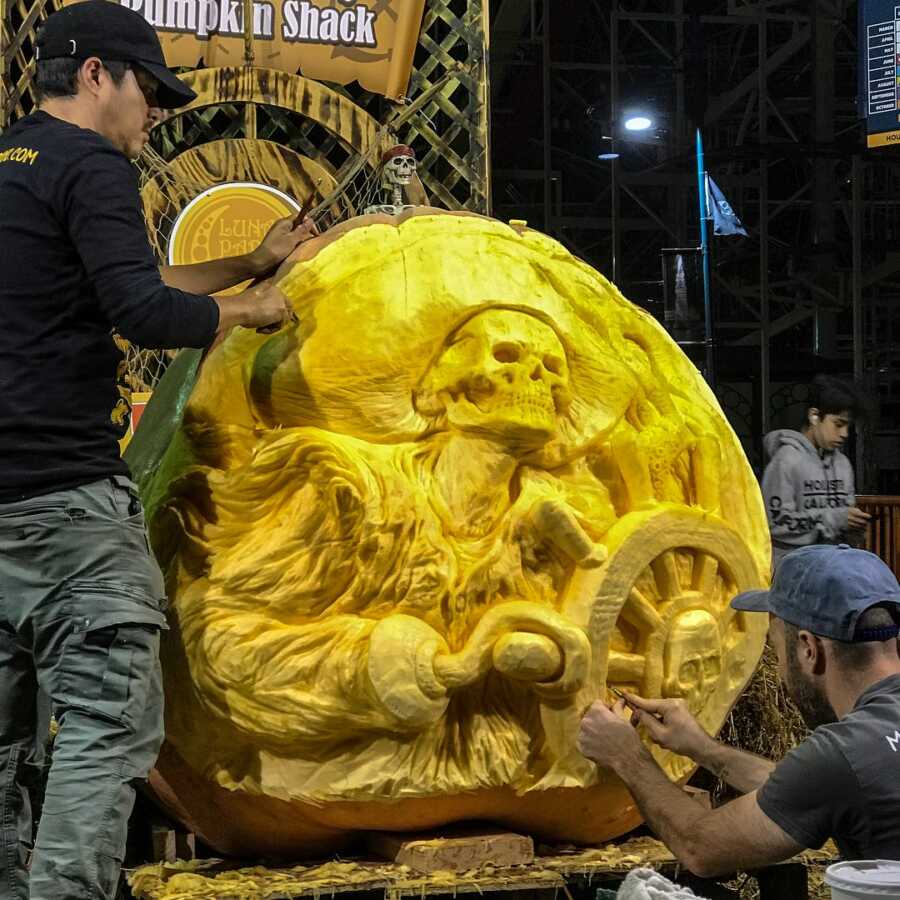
(725, 220)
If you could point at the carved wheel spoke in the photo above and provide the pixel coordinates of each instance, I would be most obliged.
(665, 572)
(706, 567)
(639, 611)
(626, 667)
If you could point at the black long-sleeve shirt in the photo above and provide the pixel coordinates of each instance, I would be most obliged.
(75, 264)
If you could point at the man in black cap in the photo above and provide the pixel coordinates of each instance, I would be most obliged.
(834, 614)
(81, 599)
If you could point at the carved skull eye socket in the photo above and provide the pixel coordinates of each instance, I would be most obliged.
(553, 364)
(691, 671)
(712, 667)
(507, 353)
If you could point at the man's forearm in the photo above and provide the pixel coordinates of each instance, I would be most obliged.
(710, 843)
(666, 808)
(743, 771)
(213, 276)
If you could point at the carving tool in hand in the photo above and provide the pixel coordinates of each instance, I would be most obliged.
(298, 221)
(304, 210)
(628, 703)
(621, 696)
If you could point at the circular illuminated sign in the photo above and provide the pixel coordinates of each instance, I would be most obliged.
(227, 220)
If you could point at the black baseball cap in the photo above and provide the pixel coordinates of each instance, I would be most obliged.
(825, 589)
(110, 31)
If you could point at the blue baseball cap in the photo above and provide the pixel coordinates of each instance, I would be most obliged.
(825, 589)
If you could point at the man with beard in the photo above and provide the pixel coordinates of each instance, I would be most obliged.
(834, 614)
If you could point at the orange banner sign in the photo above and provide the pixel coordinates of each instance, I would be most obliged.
(369, 41)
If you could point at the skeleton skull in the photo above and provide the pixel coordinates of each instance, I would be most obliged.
(503, 374)
(693, 658)
(399, 170)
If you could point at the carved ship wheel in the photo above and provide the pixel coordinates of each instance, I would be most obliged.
(659, 617)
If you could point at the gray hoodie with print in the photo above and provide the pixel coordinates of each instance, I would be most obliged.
(807, 493)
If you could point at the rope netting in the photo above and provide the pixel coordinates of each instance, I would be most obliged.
(358, 186)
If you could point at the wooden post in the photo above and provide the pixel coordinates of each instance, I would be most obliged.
(169, 844)
(4, 64)
(480, 114)
(249, 108)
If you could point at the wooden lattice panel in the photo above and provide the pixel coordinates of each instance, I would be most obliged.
(19, 19)
(449, 134)
(454, 127)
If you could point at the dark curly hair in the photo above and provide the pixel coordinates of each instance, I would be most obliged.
(830, 395)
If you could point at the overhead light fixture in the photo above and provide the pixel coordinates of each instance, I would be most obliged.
(607, 156)
(638, 123)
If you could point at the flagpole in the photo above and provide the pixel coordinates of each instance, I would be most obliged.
(704, 252)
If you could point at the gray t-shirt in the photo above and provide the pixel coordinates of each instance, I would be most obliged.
(843, 781)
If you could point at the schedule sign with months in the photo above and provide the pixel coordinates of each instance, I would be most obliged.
(879, 70)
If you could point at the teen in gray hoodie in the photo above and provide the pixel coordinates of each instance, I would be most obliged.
(808, 483)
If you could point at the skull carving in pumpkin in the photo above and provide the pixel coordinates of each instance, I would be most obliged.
(693, 658)
(503, 373)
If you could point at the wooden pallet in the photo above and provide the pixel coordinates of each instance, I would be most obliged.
(554, 873)
(549, 873)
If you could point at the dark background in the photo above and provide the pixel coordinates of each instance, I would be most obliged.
(785, 164)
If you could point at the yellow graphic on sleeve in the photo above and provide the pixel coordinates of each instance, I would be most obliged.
(122, 410)
(227, 220)
(20, 155)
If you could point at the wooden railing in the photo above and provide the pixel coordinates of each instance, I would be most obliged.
(883, 533)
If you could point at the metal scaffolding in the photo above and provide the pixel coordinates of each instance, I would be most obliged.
(772, 83)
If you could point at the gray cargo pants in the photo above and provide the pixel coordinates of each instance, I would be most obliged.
(81, 608)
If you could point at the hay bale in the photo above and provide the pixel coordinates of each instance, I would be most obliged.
(764, 720)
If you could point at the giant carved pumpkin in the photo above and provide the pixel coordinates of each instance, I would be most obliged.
(411, 537)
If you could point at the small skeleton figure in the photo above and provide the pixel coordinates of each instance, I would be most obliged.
(398, 165)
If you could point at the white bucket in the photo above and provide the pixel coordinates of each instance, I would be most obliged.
(864, 879)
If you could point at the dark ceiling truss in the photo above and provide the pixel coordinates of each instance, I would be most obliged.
(774, 84)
